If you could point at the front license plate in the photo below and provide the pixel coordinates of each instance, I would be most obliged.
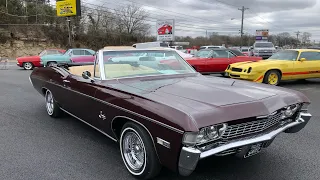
(253, 150)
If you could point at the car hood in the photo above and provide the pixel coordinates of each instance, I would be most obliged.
(253, 64)
(212, 100)
(27, 58)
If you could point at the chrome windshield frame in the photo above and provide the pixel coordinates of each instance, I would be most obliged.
(102, 69)
(101, 65)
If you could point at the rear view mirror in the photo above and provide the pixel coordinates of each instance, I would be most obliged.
(302, 59)
(86, 75)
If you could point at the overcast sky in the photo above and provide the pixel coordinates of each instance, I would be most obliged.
(194, 17)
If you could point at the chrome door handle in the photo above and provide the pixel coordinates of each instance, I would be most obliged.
(66, 81)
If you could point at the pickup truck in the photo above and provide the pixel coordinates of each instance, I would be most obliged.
(263, 49)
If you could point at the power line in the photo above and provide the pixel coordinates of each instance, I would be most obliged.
(185, 25)
(182, 16)
(256, 15)
(221, 2)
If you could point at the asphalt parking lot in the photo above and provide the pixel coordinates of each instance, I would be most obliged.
(35, 146)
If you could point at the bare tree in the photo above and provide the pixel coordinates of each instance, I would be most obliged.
(132, 20)
(305, 38)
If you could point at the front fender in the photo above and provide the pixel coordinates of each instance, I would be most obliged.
(263, 72)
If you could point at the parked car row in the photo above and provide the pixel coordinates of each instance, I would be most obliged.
(54, 56)
(216, 61)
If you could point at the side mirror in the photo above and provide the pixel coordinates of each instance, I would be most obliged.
(302, 59)
(87, 75)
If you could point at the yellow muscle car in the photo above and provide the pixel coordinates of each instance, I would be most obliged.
(284, 65)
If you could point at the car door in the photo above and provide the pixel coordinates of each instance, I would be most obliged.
(218, 62)
(66, 57)
(80, 101)
(309, 67)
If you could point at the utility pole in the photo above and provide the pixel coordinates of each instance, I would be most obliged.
(298, 33)
(6, 6)
(69, 30)
(36, 11)
(241, 31)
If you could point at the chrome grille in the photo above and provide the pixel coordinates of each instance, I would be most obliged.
(236, 69)
(252, 127)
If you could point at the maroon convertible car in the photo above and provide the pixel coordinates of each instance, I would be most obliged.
(169, 116)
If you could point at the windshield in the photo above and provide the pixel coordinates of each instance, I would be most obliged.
(259, 45)
(42, 53)
(203, 53)
(285, 55)
(67, 52)
(132, 63)
(236, 52)
(244, 49)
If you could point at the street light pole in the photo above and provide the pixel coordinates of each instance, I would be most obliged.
(241, 31)
(69, 30)
(36, 11)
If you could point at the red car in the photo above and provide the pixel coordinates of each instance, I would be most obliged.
(29, 62)
(210, 61)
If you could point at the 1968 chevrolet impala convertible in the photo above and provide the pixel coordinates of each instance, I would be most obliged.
(169, 116)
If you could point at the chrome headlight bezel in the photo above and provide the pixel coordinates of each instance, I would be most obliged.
(304, 107)
(205, 135)
(290, 110)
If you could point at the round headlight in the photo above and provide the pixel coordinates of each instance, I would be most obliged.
(288, 112)
(212, 132)
(201, 135)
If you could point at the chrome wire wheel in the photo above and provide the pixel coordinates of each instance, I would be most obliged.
(133, 151)
(49, 103)
(27, 65)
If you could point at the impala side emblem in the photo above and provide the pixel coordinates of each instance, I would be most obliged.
(102, 116)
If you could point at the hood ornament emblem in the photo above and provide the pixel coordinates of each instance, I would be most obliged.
(102, 116)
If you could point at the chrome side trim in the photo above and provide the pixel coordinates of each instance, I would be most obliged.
(265, 137)
(89, 125)
(123, 109)
(133, 120)
(140, 115)
(163, 143)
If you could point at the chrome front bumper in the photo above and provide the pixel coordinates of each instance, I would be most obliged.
(190, 156)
